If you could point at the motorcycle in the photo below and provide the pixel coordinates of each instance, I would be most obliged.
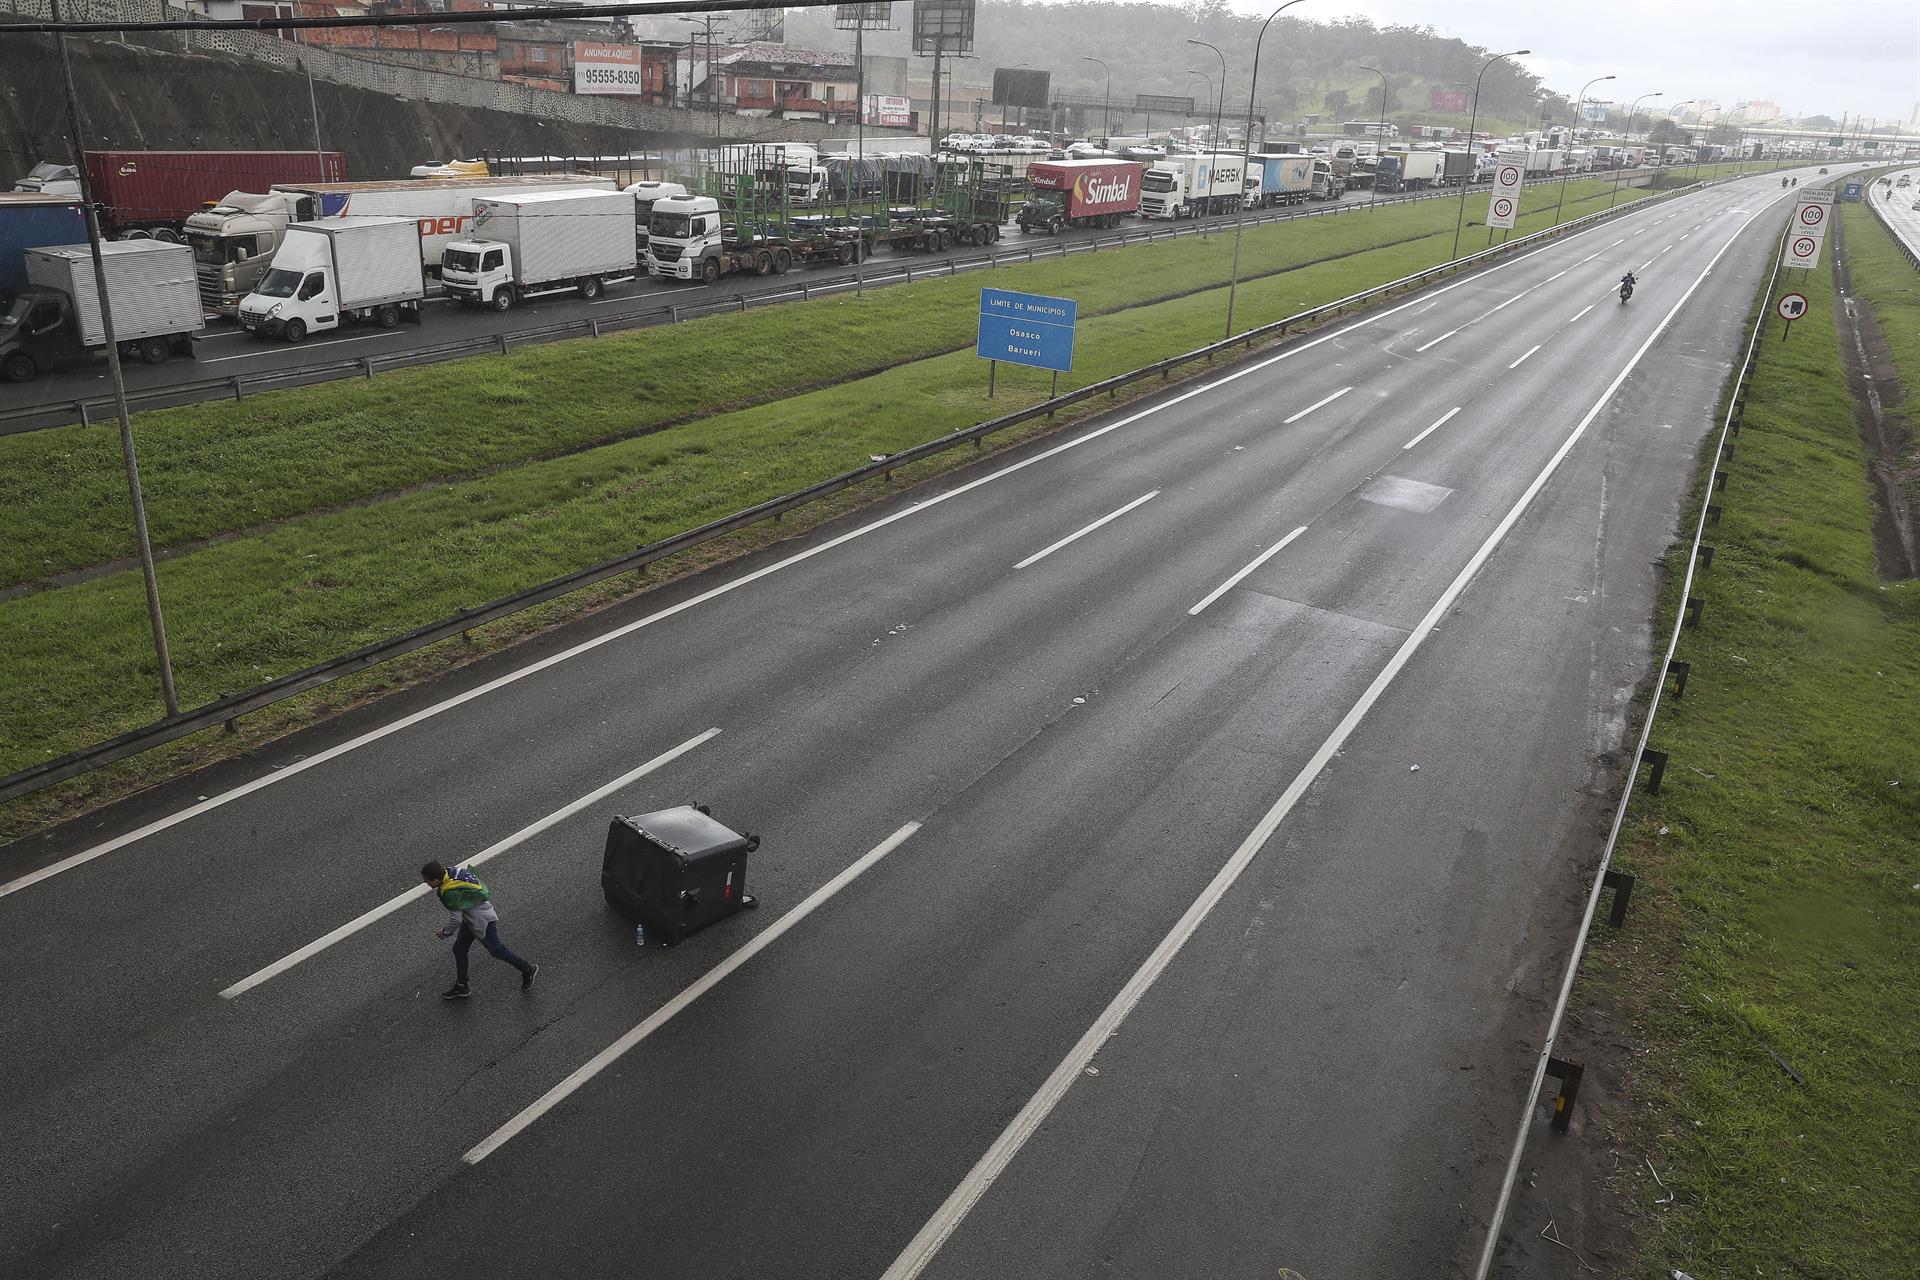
(1626, 290)
(1783, 182)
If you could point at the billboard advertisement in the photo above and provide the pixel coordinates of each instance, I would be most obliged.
(946, 25)
(605, 68)
(888, 112)
(1017, 88)
(1450, 100)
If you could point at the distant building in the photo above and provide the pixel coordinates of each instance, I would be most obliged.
(763, 79)
(1757, 112)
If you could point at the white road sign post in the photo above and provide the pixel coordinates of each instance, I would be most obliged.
(1791, 307)
(1807, 230)
(1503, 206)
(1802, 252)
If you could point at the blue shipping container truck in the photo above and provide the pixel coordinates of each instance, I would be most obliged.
(29, 220)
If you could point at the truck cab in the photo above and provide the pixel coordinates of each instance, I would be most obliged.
(51, 180)
(293, 299)
(645, 196)
(684, 238)
(37, 333)
(479, 273)
(234, 241)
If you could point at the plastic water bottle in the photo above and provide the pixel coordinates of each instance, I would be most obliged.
(640, 935)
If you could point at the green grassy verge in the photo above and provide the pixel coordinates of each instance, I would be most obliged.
(210, 469)
(1779, 911)
(248, 609)
(1886, 279)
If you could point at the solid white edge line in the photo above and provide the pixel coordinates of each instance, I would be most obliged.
(1522, 360)
(1080, 533)
(393, 904)
(922, 1248)
(1590, 306)
(158, 825)
(666, 1012)
(1252, 564)
(1430, 430)
(1285, 422)
(1437, 341)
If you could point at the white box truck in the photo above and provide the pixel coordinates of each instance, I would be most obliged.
(56, 320)
(337, 270)
(547, 242)
(1283, 179)
(1187, 186)
(442, 206)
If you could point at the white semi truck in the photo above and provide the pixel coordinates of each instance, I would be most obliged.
(328, 273)
(1188, 186)
(442, 206)
(547, 242)
(645, 195)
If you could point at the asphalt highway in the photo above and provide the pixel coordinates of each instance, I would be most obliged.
(1172, 832)
(1900, 205)
(226, 352)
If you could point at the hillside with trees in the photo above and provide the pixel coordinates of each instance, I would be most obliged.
(1306, 67)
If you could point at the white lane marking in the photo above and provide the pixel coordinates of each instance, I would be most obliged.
(1663, 251)
(1252, 564)
(725, 588)
(1315, 405)
(1681, 240)
(1517, 363)
(1590, 306)
(1078, 534)
(318, 347)
(1437, 341)
(1620, 241)
(1589, 258)
(1509, 302)
(945, 1220)
(1430, 430)
(525, 833)
(665, 1013)
(1555, 276)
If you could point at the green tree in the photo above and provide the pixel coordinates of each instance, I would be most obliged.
(1337, 103)
(1662, 135)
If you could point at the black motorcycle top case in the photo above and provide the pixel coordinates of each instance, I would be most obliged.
(674, 871)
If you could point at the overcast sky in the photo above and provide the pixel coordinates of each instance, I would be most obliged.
(1857, 56)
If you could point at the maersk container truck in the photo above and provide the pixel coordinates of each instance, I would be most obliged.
(546, 242)
(1079, 193)
(336, 270)
(144, 193)
(29, 220)
(443, 207)
(1282, 179)
(56, 319)
(1189, 186)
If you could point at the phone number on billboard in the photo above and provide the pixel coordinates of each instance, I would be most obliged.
(610, 75)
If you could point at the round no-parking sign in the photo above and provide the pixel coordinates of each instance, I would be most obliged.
(1792, 306)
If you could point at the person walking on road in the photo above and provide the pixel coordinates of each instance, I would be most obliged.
(470, 915)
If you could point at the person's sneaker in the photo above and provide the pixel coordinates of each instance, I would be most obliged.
(458, 991)
(526, 979)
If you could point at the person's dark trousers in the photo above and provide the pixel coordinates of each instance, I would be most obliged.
(491, 941)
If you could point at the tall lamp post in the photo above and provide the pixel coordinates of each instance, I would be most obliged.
(1380, 139)
(1239, 212)
(1678, 116)
(1203, 76)
(1473, 122)
(1631, 112)
(1578, 105)
(1106, 98)
(1221, 98)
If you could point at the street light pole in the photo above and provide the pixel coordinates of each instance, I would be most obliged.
(1629, 132)
(129, 460)
(1473, 122)
(1578, 105)
(1220, 99)
(1106, 100)
(1239, 212)
(1380, 140)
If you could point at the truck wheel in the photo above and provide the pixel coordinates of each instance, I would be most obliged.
(19, 367)
(710, 271)
(153, 350)
(844, 255)
(138, 233)
(168, 234)
(387, 317)
(503, 299)
(590, 287)
(762, 263)
(295, 332)
(781, 261)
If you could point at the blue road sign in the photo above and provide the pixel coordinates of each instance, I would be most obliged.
(1027, 328)
(1851, 191)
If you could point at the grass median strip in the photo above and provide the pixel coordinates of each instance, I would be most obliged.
(1766, 977)
(246, 610)
(216, 468)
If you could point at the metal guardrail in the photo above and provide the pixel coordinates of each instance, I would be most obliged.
(225, 709)
(85, 411)
(1908, 249)
(1602, 879)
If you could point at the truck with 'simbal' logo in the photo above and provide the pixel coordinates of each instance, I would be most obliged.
(1079, 193)
(442, 206)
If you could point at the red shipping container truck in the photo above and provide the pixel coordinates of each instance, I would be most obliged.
(154, 191)
(1080, 193)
